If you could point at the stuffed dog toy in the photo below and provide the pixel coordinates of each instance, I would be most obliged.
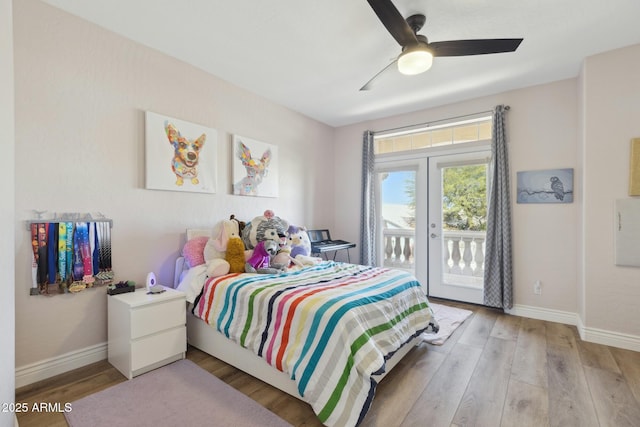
(186, 154)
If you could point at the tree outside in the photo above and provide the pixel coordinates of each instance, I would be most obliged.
(464, 198)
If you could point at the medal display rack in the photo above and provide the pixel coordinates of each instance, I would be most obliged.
(67, 217)
(70, 252)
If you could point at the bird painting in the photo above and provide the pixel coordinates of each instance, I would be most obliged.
(545, 186)
(557, 187)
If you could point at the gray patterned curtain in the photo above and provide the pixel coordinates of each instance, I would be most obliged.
(498, 282)
(368, 255)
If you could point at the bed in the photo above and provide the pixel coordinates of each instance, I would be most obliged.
(326, 333)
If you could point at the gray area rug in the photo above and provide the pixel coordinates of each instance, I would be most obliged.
(449, 318)
(180, 394)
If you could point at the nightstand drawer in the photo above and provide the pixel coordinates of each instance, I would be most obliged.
(154, 348)
(154, 318)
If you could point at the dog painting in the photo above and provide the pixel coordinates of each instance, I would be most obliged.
(255, 169)
(180, 155)
(186, 154)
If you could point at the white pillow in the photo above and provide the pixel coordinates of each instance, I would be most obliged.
(193, 282)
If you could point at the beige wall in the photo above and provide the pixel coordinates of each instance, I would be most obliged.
(81, 93)
(7, 225)
(611, 108)
(584, 123)
(542, 134)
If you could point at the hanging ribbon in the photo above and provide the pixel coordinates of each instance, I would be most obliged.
(42, 257)
(69, 251)
(52, 253)
(62, 251)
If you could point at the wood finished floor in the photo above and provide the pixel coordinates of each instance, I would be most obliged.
(495, 370)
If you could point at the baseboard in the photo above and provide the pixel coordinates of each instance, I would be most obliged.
(610, 338)
(547, 314)
(594, 335)
(47, 368)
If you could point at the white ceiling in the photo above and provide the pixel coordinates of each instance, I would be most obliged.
(313, 56)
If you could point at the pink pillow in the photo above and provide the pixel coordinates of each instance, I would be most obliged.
(193, 251)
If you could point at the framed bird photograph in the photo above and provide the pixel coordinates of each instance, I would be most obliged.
(545, 186)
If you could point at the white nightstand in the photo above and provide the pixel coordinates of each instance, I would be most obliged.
(146, 331)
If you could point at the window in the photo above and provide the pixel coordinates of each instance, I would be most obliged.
(434, 135)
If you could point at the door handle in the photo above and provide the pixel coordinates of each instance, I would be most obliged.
(434, 235)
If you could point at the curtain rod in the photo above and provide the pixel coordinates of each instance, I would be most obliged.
(506, 107)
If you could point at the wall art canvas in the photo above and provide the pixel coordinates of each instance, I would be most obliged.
(545, 186)
(255, 168)
(180, 155)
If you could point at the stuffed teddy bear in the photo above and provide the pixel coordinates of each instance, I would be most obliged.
(264, 227)
(298, 239)
(260, 260)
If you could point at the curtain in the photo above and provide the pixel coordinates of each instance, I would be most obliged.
(498, 282)
(368, 248)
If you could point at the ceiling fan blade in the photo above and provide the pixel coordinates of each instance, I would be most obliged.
(393, 21)
(474, 47)
(370, 84)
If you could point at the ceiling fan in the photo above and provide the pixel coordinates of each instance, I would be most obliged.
(417, 53)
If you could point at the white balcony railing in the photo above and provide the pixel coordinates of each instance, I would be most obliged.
(398, 247)
(463, 251)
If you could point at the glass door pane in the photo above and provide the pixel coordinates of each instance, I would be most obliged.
(398, 212)
(464, 222)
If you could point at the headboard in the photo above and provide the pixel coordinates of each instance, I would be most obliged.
(197, 232)
(180, 266)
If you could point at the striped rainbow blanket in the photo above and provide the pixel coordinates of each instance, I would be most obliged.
(330, 327)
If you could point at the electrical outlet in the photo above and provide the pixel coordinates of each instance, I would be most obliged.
(537, 287)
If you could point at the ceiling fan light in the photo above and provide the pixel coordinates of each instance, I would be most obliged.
(415, 61)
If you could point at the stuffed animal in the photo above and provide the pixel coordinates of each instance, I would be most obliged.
(298, 239)
(241, 224)
(216, 247)
(303, 260)
(283, 257)
(260, 260)
(217, 267)
(234, 255)
(217, 244)
(264, 227)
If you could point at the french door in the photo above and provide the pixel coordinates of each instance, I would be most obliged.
(401, 206)
(457, 212)
(432, 217)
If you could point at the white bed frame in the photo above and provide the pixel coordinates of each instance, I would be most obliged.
(206, 338)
